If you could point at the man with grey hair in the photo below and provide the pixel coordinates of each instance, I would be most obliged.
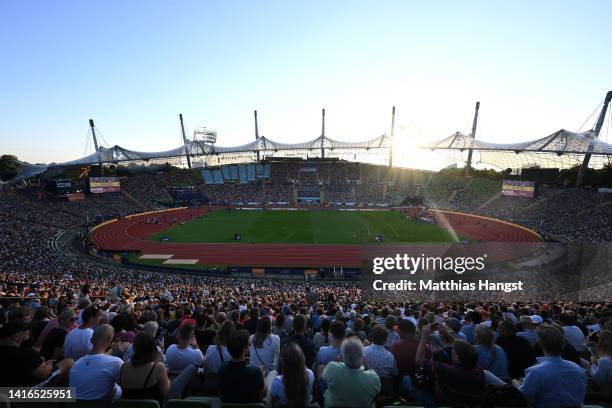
(348, 383)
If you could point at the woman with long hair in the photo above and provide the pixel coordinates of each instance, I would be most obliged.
(144, 364)
(217, 354)
(293, 388)
(322, 338)
(264, 347)
(279, 326)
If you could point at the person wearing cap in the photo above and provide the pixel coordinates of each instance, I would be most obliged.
(21, 366)
(527, 332)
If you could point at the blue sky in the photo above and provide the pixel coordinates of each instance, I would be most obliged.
(134, 65)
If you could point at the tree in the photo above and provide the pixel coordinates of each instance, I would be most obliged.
(9, 166)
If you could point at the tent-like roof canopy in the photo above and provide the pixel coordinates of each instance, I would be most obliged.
(562, 149)
(560, 142)
(263, 145)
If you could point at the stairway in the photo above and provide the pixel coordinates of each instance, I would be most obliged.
(134, 200)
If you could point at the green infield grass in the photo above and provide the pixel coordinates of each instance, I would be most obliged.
(303, 227)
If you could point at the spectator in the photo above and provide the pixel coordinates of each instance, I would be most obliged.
(144, 364)
(279, 326)
(454, 325)
(461, 382)
(264, 347)
(376, 357)
(392, 336)
(332, 352)
(553, 382)
(299, 337)
(348, 384)
(491, 357)
(78, 341)
(184, 354)
(405, 350)
(53, 346)
(358, 330)
(218, 354)
(573, 334)
(42, 316)
(238, 382)
(205, 331)
(472, 319)
(518, 350)
(569, 353)
(251, 323)
(601, 366)
(321, 338)
(94, 375)
(293, 388)
(149, 328)
(527, 332)
(24, 367)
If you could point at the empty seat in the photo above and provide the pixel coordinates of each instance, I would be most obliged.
(144, 403)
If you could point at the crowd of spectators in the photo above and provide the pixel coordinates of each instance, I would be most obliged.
(579, 215)
(115, 333)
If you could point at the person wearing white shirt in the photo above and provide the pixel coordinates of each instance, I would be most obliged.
(78, 341)
(94, 375)
(264, 347)
(184, 354)
(217, 354)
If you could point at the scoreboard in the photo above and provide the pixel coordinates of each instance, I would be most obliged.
(516, 188)
(103, 185)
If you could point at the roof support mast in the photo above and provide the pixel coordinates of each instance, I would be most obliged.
(185, 141)
(322, 133)
(596, 130)
(256, 133)
(392, 136)
(95, 140)
(468, 167)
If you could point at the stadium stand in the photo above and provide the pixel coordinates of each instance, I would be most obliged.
(174, 324)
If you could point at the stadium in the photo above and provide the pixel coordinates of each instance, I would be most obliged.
(232, 235)
(445, 254)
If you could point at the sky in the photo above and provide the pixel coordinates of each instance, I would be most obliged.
(133, 66)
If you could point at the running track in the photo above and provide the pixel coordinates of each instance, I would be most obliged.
(129, 235)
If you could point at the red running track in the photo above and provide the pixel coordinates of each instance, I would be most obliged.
(129, 235)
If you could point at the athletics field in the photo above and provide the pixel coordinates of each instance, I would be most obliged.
(302, 227)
